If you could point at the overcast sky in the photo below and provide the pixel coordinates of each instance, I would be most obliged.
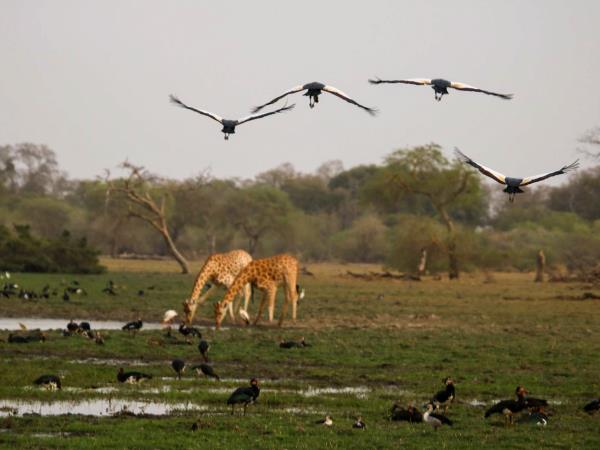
(91, 80)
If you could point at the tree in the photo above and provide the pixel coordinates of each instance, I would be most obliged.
(136, 191)
(423, 172)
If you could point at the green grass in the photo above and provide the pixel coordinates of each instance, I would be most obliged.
(488, 336)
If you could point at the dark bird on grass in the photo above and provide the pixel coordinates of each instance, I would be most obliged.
(434, 419)
(327, 421)
(189, 331)
(204, 347)
(535, 403)
(207, 370)
(132, 376)
(51, 382)
(133, 327)
(229, 125)
(513, 184)
(72, 327)
(289, 344)
(509, 407)
(178, 366)
(18, 339)
(359, 423)
(592, 406)
(110, 288)
(445, 397)
(66, 296)
(85, 326)
(141, 293)
(440, 86)
(313, 90)
(244, 395)
(410, 414)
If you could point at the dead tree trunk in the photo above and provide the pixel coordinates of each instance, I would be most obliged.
(144, 207)
(540, 266)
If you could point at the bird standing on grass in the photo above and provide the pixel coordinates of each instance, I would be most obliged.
(51, 382)
(132, 376)
(434, 419)
(513, 184)
(178, 366)
(359, 423)
(327, 421)
(207, 370)
(133, 327)
(509, 407)
(446, 396)
(244, 395)
(229, 125)
(313, 90)
(592, 406)
(204, 347)
(440, 86)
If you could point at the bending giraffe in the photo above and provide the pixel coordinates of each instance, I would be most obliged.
(220, 269)
(266, 275)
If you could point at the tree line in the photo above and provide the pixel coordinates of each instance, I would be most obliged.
(415, 202)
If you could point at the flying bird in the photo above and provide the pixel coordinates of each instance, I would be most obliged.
(440, 86)
(514, 184)
(313, 90)
(228, 124)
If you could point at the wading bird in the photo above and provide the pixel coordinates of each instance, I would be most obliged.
(313, 90)
(244, 395)
(228, 124)
(178, 366)
(513, 184)
(440, 86)
(206, 370)
(204, 347)
(435, 420)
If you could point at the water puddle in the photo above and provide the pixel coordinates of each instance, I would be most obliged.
(95, 407)
(60, 324)
(359, 391)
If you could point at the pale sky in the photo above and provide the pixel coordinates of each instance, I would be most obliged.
(91, 80)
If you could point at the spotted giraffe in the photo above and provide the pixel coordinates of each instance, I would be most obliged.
(266, 275)
(220, 269)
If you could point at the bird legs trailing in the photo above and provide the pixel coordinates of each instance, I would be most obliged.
(226, 136)
(313, 99)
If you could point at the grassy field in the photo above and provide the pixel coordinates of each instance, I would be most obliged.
(373, 343)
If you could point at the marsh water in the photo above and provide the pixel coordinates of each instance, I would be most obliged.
(32, 323)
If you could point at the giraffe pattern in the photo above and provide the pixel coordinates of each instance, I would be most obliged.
(220, 269)
(266, 275)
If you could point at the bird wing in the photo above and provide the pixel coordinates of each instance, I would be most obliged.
(178, 102)
(259, 116)
(466, 87)
(340, 94)
(416, 81)
(496, 176)
(536, 178)
(291, 91)
(441, 418)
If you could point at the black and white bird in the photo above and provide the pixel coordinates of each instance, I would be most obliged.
(132, 376)
(509, 408)
(513, 184)
(178, 366)
(51, 382)
(313, 90)
(359, 423)
(327, 421)
(204, 347)
(244, 395)
(189, 331)
(440, 86)
(592, 406)
(133, 327)
(434, 419)
(207, 370)
(229, 125)
(445, 397)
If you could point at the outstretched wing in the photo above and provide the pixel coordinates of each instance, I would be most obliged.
(466, 87)
(178, 102)
(417, 81)
(259, 116)
(291, 91)
(343, 96)
(536, 178)
(496, 176)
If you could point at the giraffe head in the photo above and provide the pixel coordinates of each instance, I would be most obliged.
(189, 309)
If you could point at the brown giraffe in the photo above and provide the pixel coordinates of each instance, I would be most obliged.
(220, 269)
(266, 275)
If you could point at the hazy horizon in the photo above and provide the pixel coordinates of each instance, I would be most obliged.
(91, 80)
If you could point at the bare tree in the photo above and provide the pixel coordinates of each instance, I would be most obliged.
(143, 206)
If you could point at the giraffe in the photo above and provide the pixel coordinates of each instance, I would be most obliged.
(220, 269)
(266, 275)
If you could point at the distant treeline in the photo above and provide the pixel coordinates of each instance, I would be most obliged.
(416, 199)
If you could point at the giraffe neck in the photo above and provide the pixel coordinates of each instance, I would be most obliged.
(205, 274)
(240, 281)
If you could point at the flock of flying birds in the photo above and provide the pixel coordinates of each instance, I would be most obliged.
(440, 87)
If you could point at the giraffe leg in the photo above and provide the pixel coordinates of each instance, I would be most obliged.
(247, 292)
(263, 300)
(272, 292)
